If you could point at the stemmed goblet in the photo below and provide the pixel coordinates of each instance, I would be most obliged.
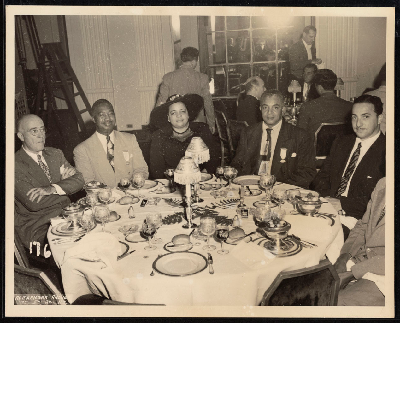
(155, 219)
(262, 213)
(280, 196)
(91, 200)
(222, 235)
(124, 184)
(104, 195)
(230, 173)
(207, 227)
(149, 229)
(267, 182)
(169, 173)
(219, 173)
(102, 214)
(86, 221)
(138, 182)
(293, 195)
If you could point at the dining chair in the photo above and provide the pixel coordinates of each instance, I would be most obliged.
(324, 137)
(236, 129)
(32, 286)
(314, 286)
(94, 299)
(221, 123)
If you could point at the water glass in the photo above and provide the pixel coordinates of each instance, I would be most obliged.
(267, 182)
(104, 195)
(219, 173)
(156, 220)
(279, 195)
(207, 227)
(149, 230)
(293, 196)
(102, 214)
(138, 182)
(222, 235)
(230, 173)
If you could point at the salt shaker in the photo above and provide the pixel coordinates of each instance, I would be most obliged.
(237, 222)
(131, 213)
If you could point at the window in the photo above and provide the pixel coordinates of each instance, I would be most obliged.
(238, 47)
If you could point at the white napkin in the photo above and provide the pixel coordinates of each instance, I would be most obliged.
(95, 246)
(252, 255)
(311, 229)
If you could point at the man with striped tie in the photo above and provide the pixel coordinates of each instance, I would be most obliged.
(362, 256)
(43, 181)
(355, 163)
(108, 155)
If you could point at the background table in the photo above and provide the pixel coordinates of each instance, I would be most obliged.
(233, 283)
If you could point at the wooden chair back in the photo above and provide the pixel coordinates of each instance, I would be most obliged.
(314, 286)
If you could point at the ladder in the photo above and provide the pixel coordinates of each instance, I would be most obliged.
(57, 80)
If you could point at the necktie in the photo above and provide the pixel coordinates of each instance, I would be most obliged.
(44, 167)
(382, 215)
(349, 171)
(110, 152)
(267, 151)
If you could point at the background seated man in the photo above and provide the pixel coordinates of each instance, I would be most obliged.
(108, 155)
(363, 256)
(176, 130)
(43, 181)
(249, 106)
(355, 163)
(326, 108)
(275, 146)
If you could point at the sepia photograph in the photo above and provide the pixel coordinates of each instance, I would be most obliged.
(199, 162)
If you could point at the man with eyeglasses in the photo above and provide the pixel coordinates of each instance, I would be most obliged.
(43, 181)
(108, 155)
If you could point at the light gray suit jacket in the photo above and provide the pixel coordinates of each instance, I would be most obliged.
(91, 159)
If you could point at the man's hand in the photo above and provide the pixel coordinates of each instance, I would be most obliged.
(345, 279)
(68, 171)
(341, 262)
(40, 192)
(335, 203)
(317, 61)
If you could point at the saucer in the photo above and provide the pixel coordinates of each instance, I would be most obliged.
(174, 249)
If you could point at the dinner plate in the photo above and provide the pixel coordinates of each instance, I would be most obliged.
(180, 264)
(62, 229)
(148, 185)
(174, 249)
(247, 180)
(82, 202)
(206, 177)
(135, 238)
(258, 203)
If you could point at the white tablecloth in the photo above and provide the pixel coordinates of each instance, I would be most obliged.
(233, 283)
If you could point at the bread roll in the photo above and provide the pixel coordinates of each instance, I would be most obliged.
(236, 233)
(126, 200)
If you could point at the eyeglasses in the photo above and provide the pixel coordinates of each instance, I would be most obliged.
(37, 131)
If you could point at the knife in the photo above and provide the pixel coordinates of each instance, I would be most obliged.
(248, 188)
(210, 263)
(127, 254)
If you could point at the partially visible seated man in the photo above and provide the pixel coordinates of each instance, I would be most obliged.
(308, 89)
(276, 147)
(355, 163)
(108, 155)
(175, 131)
(249, 106)
(363, 256)
(43, 181)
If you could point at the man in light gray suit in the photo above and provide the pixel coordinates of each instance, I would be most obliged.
(108, 155)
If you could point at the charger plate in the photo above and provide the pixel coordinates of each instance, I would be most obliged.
(62, 229)
(247, 180)
(180, 264)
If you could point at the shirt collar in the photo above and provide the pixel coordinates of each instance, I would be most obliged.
(104, 137)
(32, 154)
(307, 45)
(275, 129)
(367, 143)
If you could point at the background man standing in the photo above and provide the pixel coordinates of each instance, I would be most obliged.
(186, 80)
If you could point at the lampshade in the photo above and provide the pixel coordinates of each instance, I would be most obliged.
(294, 87)
(339, 84)
(187, 171)
(198, 150)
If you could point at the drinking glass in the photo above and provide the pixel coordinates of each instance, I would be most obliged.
(87, 221)
(149, 229)
(91, 199)
(219, 173)
(155, 219)
(279, 195)
(102, 214)
(293, 195)
(230, 173)
(207, 227)
(222, 235)
(104, 195)
(169, 173)
(124, 184)
(278, 214)
(262, 213)
(267, 182)
(196, 236)
(138, 182)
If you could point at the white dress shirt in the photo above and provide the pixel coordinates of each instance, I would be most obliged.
(308, 48)
(34, 157)
(103, 139)
(274, 138)
(306, 89)
(365, 145)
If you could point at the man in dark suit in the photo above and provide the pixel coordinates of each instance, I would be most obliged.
(356, 162)
(249, 106)
(363, 256)
(275, 146)
(43, 181)
(303, 52)
(308, 89)
(326, 108)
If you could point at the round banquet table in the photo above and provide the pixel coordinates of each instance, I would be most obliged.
(233, 284)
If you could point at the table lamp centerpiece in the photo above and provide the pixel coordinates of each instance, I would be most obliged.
(294, 88)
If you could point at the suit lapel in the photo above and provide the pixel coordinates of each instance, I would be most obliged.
(99, 156)
(119, 159)
(284, 141)
(256, 137)
(52, 163)
(34, 170)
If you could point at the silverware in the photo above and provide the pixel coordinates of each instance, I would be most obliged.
(125, 255)
(242, 237)
(248, 188)
(304, 242)
(210, 263)
(66, 240)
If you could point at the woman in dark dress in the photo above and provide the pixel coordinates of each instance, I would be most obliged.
(175, 131)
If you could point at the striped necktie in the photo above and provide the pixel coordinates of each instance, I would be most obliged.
(382, 215)
(44, 167)
(110, 152)
(349, 171)
(267, 151)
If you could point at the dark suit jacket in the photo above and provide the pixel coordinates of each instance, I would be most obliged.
(366, 241)
(365, 177)
(299, 168)
(249, 110)
(31, 219)
(298, 58)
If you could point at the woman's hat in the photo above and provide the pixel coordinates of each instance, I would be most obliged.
(193, 102)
